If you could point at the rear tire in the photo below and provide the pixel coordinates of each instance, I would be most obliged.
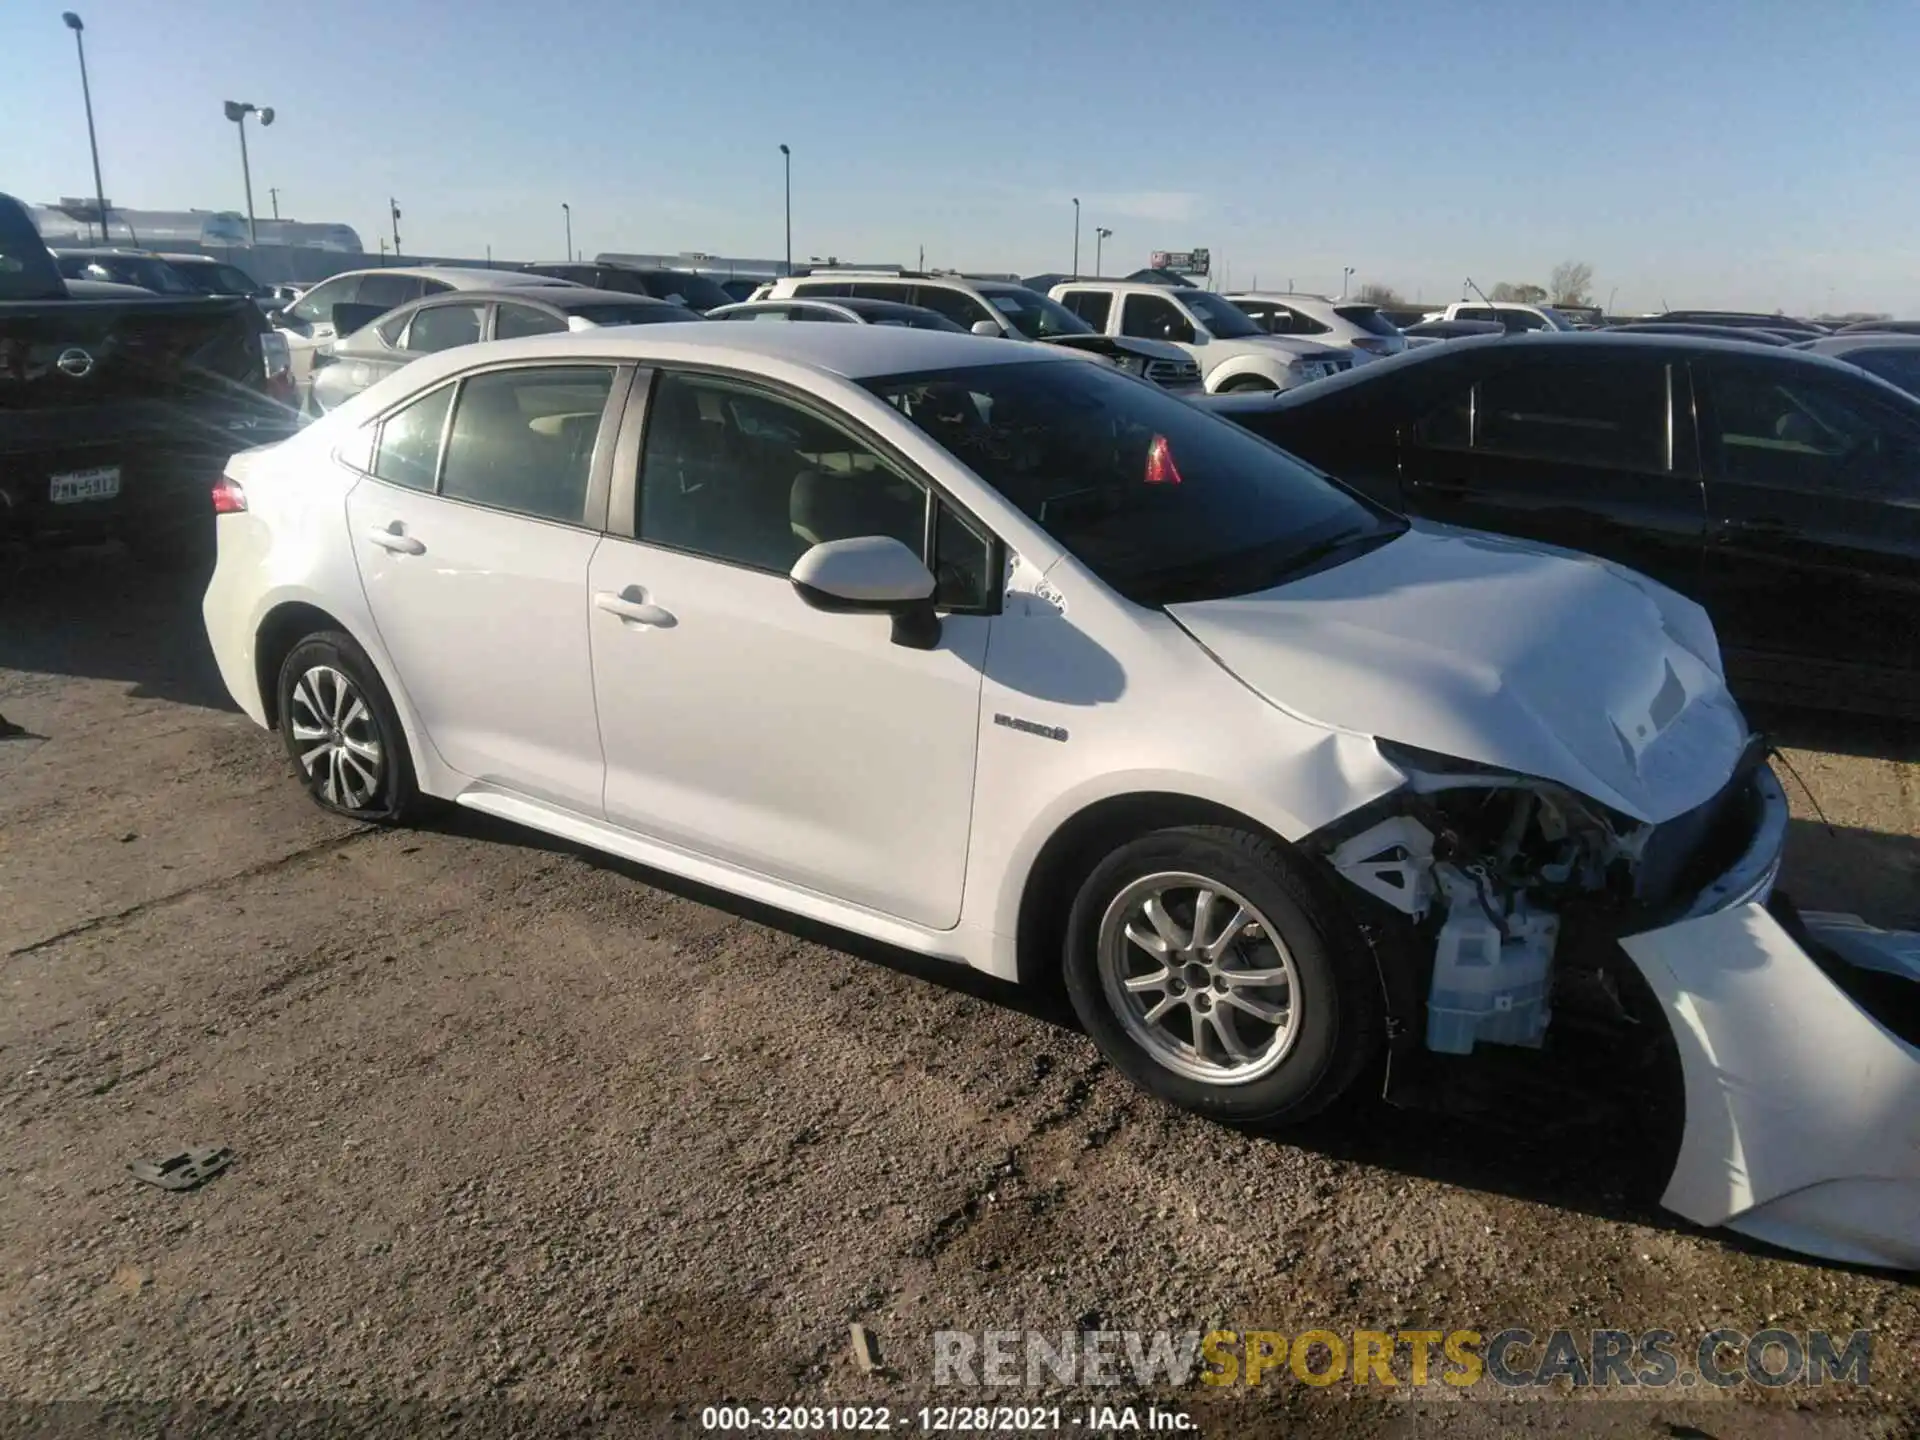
(1265, 1010)
(1242, 384)
(342, 732)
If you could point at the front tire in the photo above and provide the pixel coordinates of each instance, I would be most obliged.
(1208, 968)
(342, 732)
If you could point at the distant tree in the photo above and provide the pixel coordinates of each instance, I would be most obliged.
(1519, 294)
(1382, 295)
(1570, 283)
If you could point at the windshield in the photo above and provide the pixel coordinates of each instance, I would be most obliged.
(1162, 501)
(614, 313)
(1555, 318)
(1036, 316)
(1222, 317)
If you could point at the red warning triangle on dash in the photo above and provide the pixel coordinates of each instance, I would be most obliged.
(1160, 467)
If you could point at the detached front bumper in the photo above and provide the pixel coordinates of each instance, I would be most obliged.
(1802, 1105)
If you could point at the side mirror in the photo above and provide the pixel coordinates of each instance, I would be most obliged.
(348, 317)
(871, 575)
(987, 328)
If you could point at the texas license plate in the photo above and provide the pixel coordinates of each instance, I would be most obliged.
(100, 483)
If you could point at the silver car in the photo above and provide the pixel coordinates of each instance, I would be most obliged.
(1894, 357)
(382, 341)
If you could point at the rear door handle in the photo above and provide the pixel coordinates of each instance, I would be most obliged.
(633, 607)
(396, 541)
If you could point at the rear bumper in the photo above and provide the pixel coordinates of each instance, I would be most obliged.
(1802, 1105)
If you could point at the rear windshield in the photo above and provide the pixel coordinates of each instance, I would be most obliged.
(210, 277)
(140, 270)
(1036, 316)
(1223, 319)
(1367, 317)
(1163, 502)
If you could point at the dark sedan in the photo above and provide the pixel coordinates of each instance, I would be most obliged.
(1779, 489)
(382, 341)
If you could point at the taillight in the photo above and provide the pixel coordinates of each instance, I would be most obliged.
(228, 497)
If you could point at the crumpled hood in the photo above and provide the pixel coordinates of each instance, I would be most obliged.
(1501, 652)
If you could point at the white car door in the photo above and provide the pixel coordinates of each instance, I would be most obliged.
(474, 554)
(742, 724)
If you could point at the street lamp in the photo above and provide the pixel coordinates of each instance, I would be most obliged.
(786, 161)
(1100, 233)
(1076, 237)
(1346, 274)
(567, 210)
(72, 22)
(237, 111)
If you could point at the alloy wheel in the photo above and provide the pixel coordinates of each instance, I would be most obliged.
(1198, 978)
(338, 742)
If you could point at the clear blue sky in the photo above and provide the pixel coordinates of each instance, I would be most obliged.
(1754, 154)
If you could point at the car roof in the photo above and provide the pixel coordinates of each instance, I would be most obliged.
(123, 252)
(858, 304)
(561, 297)
(853, 352)
(460, 277)
(1860, 340)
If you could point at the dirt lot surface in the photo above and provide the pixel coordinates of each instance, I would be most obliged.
(533, 1142)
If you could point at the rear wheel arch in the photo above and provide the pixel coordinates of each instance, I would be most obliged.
(282, 628)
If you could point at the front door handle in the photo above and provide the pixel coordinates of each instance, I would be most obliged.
(395, 540)
(633, 608)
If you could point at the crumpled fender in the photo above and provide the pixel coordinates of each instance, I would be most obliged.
(1802, 1111)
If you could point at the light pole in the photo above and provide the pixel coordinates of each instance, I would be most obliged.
(1100, 233)
(237, 111)
(273, 194)
(567, 210)
(1346, 274)
(1076, 237)
(393, 206)
(786, 162)
(72, 22)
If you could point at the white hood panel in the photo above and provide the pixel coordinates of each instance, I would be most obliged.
(1501, 652)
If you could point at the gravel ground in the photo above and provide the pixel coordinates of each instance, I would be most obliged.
(534, 1141)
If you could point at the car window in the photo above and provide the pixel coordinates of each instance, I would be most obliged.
(1477, 312)
(1301, 323)
(409, 450)
(1612, 413)
(956, 305)
(390, 328)
(513, 322)
(818, 314)
(1159, 499)
(733, 472)
(523, 440)
(1036, 316)
(1092, 306)
(1809, 432)
(777, 313)
(1154, 317)
(442, 327)
(824, 289)
(316, 306)
(387, 291)
(879, 290)
(1218, 314)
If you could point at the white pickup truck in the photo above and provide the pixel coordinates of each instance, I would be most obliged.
(1232, 352)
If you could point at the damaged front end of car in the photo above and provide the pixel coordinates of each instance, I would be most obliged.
(1504, 908)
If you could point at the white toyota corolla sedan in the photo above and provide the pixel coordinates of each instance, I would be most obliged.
(1022, 663)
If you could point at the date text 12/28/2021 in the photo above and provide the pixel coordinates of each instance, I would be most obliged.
(940, 1419)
